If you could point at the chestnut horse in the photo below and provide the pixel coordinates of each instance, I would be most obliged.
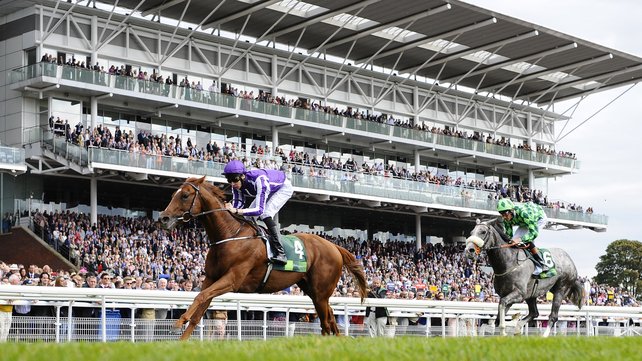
(237, 259)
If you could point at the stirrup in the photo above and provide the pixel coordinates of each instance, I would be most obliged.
(538, 271)
(279, 259)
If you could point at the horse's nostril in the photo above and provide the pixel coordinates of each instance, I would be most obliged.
(164, 219)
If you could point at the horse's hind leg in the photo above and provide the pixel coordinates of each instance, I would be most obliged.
(334, 328)
(322, 311)
(558, 295)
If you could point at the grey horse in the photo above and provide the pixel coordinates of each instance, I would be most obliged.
(514, 282)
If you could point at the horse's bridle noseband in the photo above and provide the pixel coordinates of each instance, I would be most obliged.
(491, 229)
(188, 216)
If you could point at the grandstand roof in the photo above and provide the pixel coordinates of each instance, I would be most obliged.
(452, 42)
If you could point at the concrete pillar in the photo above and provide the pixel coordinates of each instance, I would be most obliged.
(94, 114)
(529, 128)
(94, 40)
(418, 230)
(275, 73)
(417, 161)
(531, 179)
(275, 139)
(93, 199)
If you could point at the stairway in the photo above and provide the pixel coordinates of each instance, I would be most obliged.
(22, 246)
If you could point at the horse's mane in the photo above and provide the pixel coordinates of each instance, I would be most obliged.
(216, 191)
(498, 226)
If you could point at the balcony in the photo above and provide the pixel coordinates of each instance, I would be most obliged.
(320, 119)
(12, 159)
(330, 182)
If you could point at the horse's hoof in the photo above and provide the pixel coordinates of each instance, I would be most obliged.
(176, 330)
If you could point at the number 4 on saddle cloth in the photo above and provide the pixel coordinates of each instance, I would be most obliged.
(294, 251)
(548, 260)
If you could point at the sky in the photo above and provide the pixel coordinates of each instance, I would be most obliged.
(610, 174)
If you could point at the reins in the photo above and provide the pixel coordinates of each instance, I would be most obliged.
(188, 216)
(505, 245)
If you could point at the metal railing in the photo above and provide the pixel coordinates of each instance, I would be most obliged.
(327, 180)
(12, 156)
(64, 316)
(326, 119)
(336, 181)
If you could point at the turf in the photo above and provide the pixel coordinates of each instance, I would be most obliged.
(332, 348)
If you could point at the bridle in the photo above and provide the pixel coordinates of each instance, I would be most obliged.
(188, 216)
(485, 239)
(505, 245)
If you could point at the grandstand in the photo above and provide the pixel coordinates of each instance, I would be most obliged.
(408, 117)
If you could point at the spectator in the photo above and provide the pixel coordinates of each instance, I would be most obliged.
(6, 311)
(376, 317)
(219, 323)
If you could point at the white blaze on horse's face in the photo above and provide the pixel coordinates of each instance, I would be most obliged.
(474, 244)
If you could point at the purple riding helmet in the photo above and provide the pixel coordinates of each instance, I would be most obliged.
(234, 167)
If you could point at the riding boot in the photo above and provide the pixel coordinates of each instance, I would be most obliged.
(540, 265)
(278, 255)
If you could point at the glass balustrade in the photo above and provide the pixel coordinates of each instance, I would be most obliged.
(12, 156)
(337, 181)
(322, 118)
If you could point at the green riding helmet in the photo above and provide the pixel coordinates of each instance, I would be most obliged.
(505, 204)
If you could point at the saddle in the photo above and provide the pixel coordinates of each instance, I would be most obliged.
(294, 248)
(546, 255)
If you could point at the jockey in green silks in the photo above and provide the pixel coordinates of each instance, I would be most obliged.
(529, 219)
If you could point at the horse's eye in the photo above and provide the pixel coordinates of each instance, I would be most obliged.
(184, 196)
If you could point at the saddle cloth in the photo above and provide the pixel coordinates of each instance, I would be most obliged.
(548, 260)
(294, 251)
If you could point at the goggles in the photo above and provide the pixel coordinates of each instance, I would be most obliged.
(233, 178)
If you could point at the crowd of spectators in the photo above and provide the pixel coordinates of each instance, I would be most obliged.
(139, 251)
(294, 162)
(196, 89)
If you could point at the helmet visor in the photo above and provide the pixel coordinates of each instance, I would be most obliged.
(233, 177)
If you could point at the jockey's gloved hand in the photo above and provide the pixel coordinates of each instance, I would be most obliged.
(520, 245)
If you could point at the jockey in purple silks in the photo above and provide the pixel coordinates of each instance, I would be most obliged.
(271, 190)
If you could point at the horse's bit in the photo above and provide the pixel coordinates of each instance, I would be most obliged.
(188, 216)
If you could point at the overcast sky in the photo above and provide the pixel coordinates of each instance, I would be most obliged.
(610, 177)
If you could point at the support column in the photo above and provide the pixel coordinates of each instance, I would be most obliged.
(2, 199)
(93, 199)
(531, 179)
(94, 113)
(275, 139)
(417, 161)
(94, 40)
(275, 74)
(529, 129)
(418, 230)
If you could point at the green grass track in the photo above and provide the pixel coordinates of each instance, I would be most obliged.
(332, 348)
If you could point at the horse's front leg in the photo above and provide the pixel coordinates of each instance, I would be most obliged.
(533, 313)
(201, 302)
(555, 309)
(504, 305)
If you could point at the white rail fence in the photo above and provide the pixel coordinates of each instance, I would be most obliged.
(117, 316)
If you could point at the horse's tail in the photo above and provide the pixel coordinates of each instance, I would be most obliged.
(577, 294)
(355, 268)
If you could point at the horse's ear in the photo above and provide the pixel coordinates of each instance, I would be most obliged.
(201, 180)
(479, 221)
